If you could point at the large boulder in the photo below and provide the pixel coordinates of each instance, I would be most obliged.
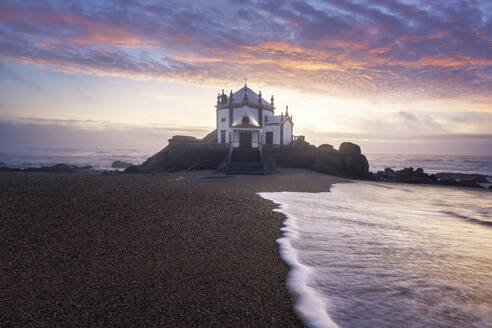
(355, 166)
(349, 149)
(326, 148)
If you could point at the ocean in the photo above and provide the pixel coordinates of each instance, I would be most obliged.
(101, 159)
(98, 158)
(389, 255)
(432, 163)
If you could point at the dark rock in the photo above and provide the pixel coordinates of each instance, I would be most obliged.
(447, 182)
(348, 148)
(132, 169)
(173, 169)
(300, 156)
(326, 162)
(120, 164)
(59, 168)
(371, 176)
(323, 159)
(479, 178)
(111, 172)
(389, 172)
(327, 148)
(2, 164)
(9, 169)
(409, 175)
(83, 168)
(184, 152)
(364, 164)
(460, 179)
(355, 166)
(469, 184)
(204, 165)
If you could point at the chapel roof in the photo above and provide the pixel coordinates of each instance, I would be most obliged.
(253, 97)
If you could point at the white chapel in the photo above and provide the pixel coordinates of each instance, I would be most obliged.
(246, 120)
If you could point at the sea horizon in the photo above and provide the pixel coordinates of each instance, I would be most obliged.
(101, 158)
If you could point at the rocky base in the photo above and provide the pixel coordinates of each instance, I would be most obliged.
(347, 161)
(184, 153)
(188, 153)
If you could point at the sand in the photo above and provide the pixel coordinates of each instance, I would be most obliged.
(144, 251)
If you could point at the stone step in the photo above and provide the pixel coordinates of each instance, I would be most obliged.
(253, 168)
(245, 155)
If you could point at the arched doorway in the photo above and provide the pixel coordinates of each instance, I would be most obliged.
(245, 139)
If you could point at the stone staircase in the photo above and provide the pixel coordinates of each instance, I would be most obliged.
(246, 161)
(245, 155)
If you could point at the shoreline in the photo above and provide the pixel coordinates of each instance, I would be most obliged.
(141, 250)
(308, 303)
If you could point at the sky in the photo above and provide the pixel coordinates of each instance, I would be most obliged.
(397, 76)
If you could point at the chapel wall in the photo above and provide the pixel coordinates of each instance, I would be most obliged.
(287, 132)
(223, 114)
(276, 133)
(252, 113)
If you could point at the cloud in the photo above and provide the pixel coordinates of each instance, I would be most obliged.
(375, 142)
(100, 125)
(355, 48)
(9, 75)
(23, 133)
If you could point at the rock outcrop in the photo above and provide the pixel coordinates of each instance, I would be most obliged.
(418, 176)
(120, 164)
(189, 153)
(184, 152)
(346, 162)
(57, 168)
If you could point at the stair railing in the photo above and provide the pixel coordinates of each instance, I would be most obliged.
(229, 155)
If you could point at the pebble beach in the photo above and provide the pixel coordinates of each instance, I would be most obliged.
(169, 250)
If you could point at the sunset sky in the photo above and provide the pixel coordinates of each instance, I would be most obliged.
(393, 76)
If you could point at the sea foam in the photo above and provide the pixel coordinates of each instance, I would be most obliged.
(388, 255)
(309, 304)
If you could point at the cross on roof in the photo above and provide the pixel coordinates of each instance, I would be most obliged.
(245, 81)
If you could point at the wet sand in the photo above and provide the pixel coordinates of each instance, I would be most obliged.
(144, 251)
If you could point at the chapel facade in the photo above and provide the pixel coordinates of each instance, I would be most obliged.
(247, 121)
